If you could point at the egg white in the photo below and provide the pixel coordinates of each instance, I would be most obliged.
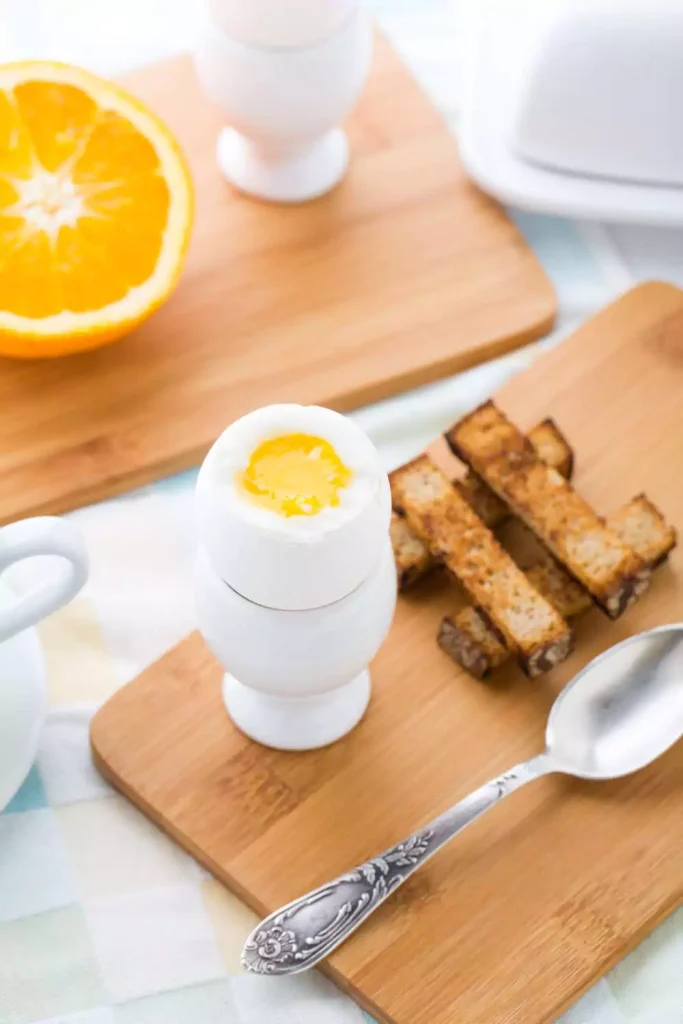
(236, 446)
(302, 561)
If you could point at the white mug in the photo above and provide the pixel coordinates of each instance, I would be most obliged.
(23, 686)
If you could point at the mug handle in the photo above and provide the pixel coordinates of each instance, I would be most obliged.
(44, 535)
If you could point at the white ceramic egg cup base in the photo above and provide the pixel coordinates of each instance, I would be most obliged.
(288, 178)
(297, 723)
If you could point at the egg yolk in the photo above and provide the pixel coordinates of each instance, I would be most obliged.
(295, 475)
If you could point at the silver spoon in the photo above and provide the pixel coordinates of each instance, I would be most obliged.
(620, 713)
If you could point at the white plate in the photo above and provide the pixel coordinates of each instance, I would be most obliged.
(498, 36)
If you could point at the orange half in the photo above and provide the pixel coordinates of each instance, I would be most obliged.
(95, 210)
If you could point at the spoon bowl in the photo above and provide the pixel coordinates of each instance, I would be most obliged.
(623, 710)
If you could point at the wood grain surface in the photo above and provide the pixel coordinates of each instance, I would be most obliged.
(403, 274)
(534, 902)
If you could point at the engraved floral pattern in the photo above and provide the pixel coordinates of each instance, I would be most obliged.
(276, 943)
(306, 931)
(348, 900)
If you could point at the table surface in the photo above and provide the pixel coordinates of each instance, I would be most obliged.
(102, 919)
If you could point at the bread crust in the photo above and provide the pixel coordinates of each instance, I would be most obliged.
(410, 553)
(528, 624)
(540, 496)
(464, 634)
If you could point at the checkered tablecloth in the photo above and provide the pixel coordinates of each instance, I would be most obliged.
(102, 919)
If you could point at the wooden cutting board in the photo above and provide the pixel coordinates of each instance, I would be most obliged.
(534, 902)
(405, 273)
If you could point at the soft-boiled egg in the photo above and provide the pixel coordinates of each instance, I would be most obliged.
(293, 506)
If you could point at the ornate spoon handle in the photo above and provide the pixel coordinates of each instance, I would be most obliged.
(304, 932)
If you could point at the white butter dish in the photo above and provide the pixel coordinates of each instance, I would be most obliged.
(574, 109)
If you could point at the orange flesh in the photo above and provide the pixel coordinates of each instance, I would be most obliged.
(83, 203)
(295, 475)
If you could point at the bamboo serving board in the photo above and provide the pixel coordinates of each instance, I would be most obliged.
(535, 901)
(403, 274)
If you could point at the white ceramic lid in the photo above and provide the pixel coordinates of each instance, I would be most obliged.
(280, 23)
(603, 91)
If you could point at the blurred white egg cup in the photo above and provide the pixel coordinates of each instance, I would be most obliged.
(294, 610)
(285, 72)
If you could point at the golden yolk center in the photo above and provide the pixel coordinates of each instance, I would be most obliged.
(295, 475)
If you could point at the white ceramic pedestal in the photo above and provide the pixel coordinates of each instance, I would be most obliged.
(294, 667)
(297, 723)
(284, 105)
(290, 177)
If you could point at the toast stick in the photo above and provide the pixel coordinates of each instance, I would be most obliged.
(549, 444)
(465, 635)
(529, 625)
(590, 551)
(412, 557)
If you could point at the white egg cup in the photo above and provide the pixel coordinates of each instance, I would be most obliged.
(294, 609)
(297, 680)
(284, 86)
